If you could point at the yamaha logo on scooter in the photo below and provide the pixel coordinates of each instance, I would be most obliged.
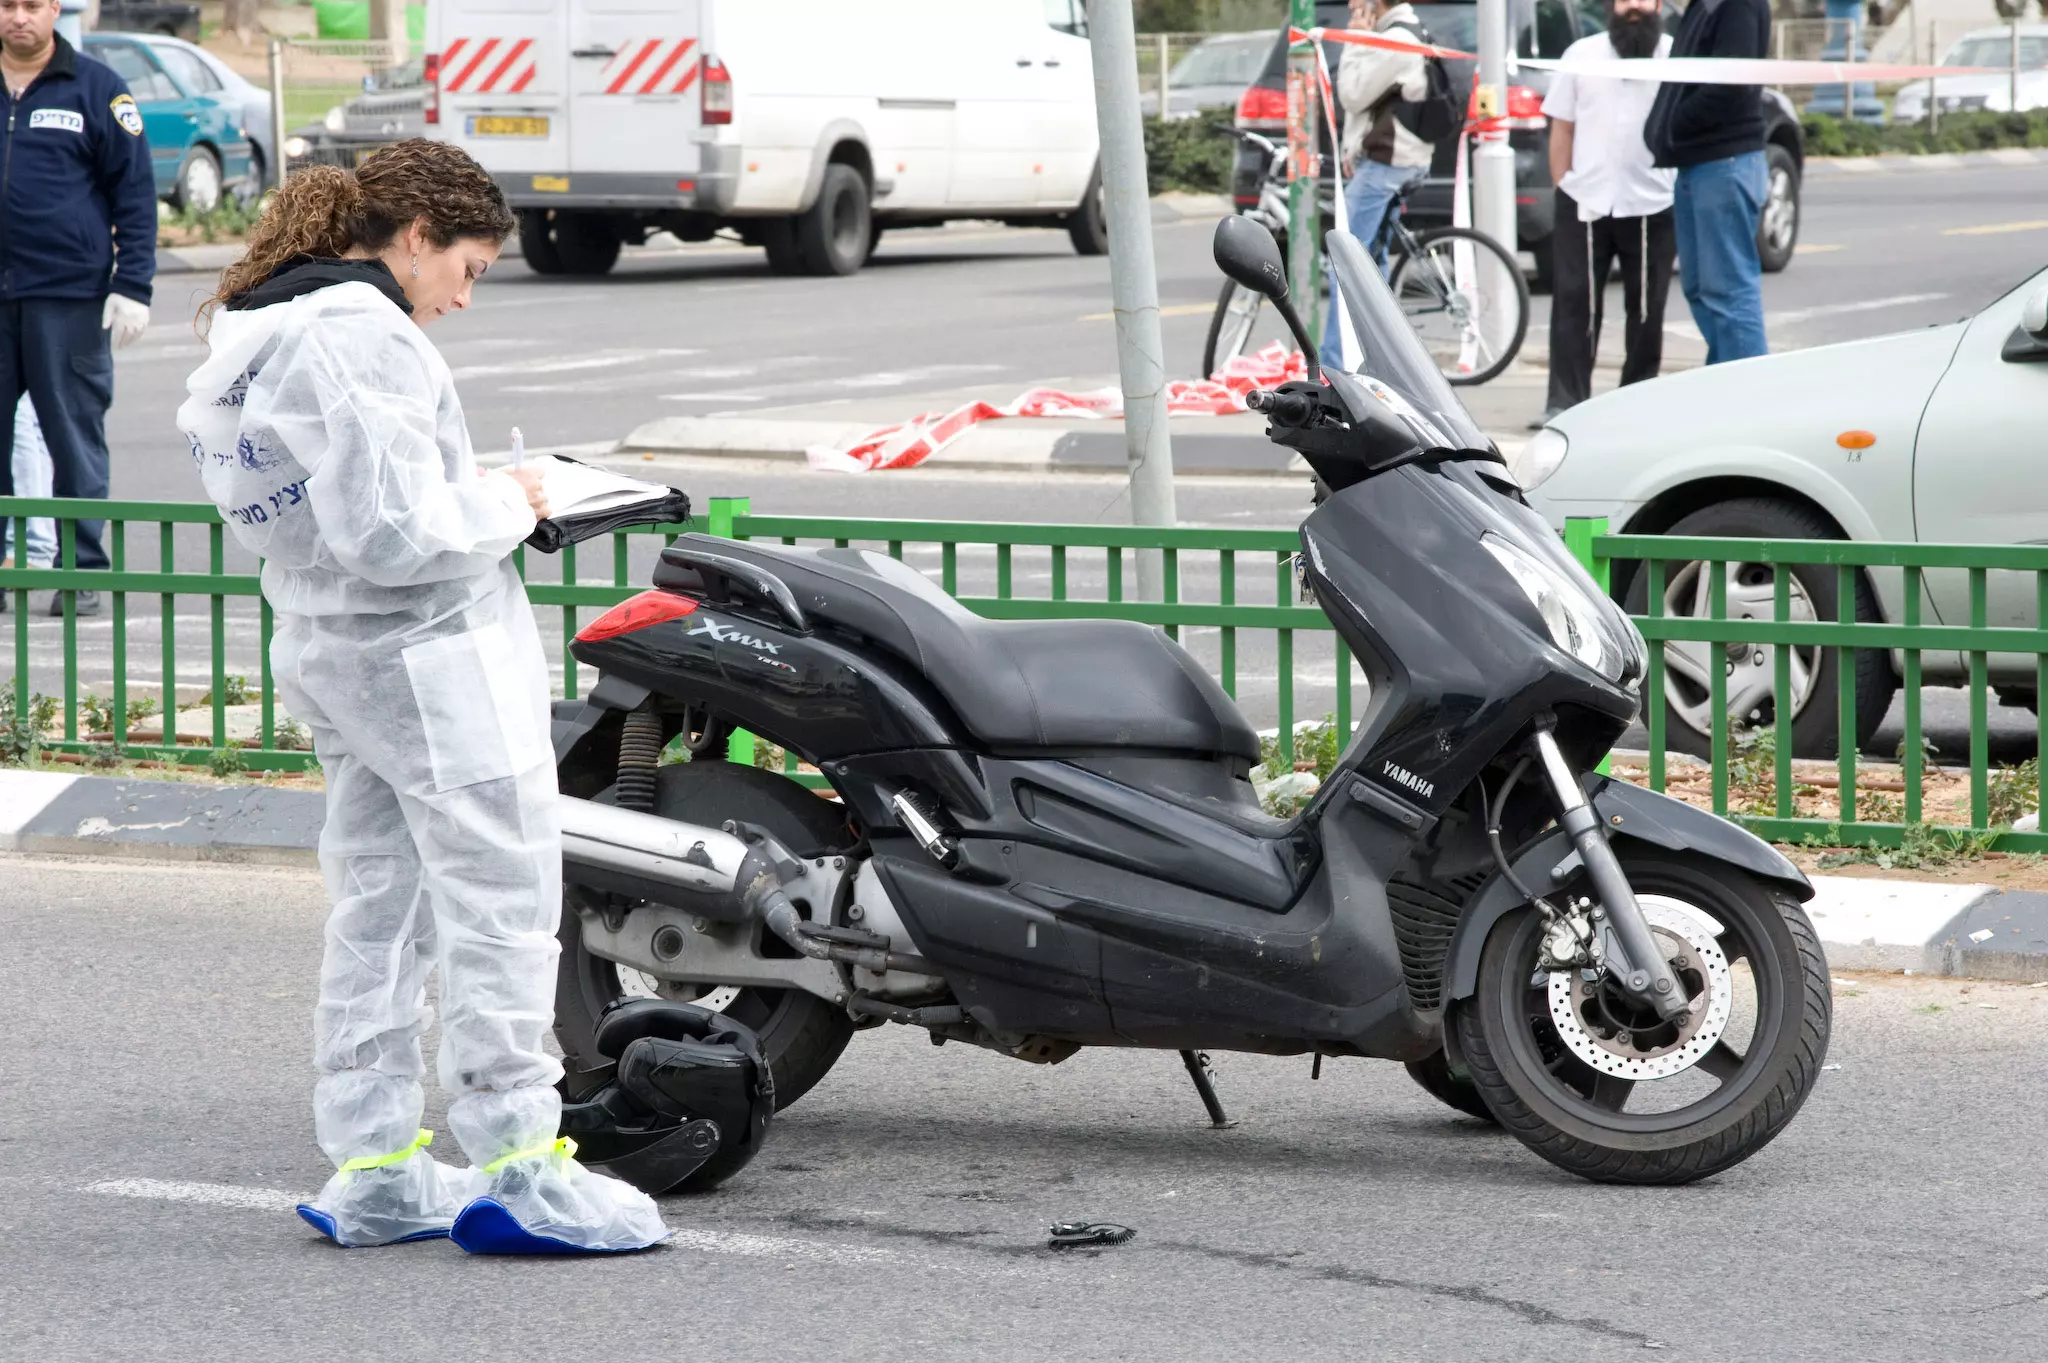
(1426, 789)
(726, 634)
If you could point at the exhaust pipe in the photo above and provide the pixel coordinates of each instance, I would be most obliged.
(721, 874)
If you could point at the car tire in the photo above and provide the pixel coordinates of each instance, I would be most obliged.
(1815, 722)
(833, 234)
(198, 186)
(587, 243)
(250, 191)
(1088, 224)
(1777, 234)
(537, 242)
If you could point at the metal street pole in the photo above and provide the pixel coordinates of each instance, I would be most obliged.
(1304, 234)
(277, 125)
(1493, 171)
(1133, 276)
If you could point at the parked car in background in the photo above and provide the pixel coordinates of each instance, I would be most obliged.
(1213, 74)
(1962, 94)
(1926, 435)
(198, 145)
(203, 73)
(1543, 28)
(392, 107)
(170, 18)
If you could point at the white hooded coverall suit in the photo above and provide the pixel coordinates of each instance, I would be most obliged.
(328, 431)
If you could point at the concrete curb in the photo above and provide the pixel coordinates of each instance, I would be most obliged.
(1959, 160)
(1967, 931)
(165, 820)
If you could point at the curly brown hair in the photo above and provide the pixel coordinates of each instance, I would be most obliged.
(328, 211)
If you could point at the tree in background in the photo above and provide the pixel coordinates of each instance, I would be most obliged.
(239, 18)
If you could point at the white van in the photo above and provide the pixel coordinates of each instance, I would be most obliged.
(807, 126)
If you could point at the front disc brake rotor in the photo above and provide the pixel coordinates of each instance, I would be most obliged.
(1628, 1040)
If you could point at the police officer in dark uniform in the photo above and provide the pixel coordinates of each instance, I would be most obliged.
(77, 251)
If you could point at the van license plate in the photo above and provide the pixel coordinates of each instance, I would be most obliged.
(500, 125)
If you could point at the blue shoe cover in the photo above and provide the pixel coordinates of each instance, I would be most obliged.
(322, 1222)
(486, 1227)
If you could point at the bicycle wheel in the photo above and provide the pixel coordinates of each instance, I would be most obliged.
(1437, 286)
(1231, 328)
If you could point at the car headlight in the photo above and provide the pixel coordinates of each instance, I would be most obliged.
(296, 146)
(337, 119)
(1580, 623)
(1539, 458)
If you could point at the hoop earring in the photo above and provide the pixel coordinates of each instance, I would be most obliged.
(415, 267)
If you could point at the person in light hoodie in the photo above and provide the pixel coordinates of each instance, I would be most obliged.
(327, 430)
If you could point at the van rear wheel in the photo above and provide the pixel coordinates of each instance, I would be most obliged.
(537, 242)
(587, 243)
(833, 234)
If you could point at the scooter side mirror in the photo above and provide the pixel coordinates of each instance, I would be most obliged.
(1247, 253)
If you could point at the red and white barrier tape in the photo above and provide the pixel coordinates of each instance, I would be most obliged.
(912, 442)
(1677, 70)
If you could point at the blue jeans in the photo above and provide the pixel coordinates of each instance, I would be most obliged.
(1716, 208)
(31, 461)
(1366, 197)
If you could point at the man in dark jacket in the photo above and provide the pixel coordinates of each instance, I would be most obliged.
(1714, 136)
(77, 250)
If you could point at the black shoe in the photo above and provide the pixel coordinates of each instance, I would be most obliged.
(1549, 415)
(88, 603)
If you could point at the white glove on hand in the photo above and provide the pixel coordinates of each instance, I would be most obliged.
(126, 318)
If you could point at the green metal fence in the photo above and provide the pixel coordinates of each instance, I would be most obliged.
(1240, 584)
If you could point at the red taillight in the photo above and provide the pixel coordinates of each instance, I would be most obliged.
(1525, 108)
(716, 91)
(431, 73)
(636, 612)
(1260, 105)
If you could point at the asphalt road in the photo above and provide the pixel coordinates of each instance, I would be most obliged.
(158, 1040)
(582, 362)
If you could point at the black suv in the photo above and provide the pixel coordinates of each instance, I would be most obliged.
(1543, 28)
(172, 19)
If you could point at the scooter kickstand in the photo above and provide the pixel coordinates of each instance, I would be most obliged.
(1200, 1070)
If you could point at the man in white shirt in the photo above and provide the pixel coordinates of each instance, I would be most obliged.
(1613, 204)
(1386, 157)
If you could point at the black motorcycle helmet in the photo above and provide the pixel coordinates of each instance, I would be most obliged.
(690, 1104)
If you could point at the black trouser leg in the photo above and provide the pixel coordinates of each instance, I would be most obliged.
(11, 385)
(67, 362)
(1648, 249)
(1580, 255)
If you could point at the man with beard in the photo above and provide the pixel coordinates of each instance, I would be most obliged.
(1612, 204)
(1713, 135)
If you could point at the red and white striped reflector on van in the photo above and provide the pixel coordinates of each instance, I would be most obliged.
(487, 66)
(650, 66)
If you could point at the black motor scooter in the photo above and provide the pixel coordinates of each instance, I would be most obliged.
(1045, 837)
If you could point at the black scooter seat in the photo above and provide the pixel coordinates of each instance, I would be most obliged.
(1016, 684)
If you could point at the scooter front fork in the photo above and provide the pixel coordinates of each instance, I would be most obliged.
(1639, 967)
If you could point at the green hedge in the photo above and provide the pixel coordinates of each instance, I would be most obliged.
(1978, 131)
(1188, 154)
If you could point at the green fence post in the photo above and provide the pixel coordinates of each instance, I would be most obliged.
(1580, 532)
(719, 514)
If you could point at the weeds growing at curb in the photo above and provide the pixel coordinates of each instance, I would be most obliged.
(22, 730)
(1974, 131)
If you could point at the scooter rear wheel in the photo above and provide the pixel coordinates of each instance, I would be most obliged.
(1616, 1095)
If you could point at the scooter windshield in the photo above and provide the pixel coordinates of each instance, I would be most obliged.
(1391, 353)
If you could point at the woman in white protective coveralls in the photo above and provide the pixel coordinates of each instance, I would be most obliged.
(327, 429)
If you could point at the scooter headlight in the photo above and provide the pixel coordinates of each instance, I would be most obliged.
(1578, 622)
(1542, 456)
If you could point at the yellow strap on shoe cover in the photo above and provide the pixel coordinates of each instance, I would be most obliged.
(419, 1143)
(564, 1147)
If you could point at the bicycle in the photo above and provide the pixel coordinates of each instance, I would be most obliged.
(1433, 276)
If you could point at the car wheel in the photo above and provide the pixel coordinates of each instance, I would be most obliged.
(587, 243)
(1088, 224)
(832, 235)
(778, 239)
(197, 188)
(1748, 670)
(250, 190)
(537, 242)
(1778, 231)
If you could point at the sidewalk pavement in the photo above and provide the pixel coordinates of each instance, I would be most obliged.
(1969, 931)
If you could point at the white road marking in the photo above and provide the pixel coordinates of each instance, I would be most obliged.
(607, 359)
(206, 1194)
(713, 397)
(1797, 315)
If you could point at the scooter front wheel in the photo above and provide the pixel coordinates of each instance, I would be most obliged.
(1607, 1089)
